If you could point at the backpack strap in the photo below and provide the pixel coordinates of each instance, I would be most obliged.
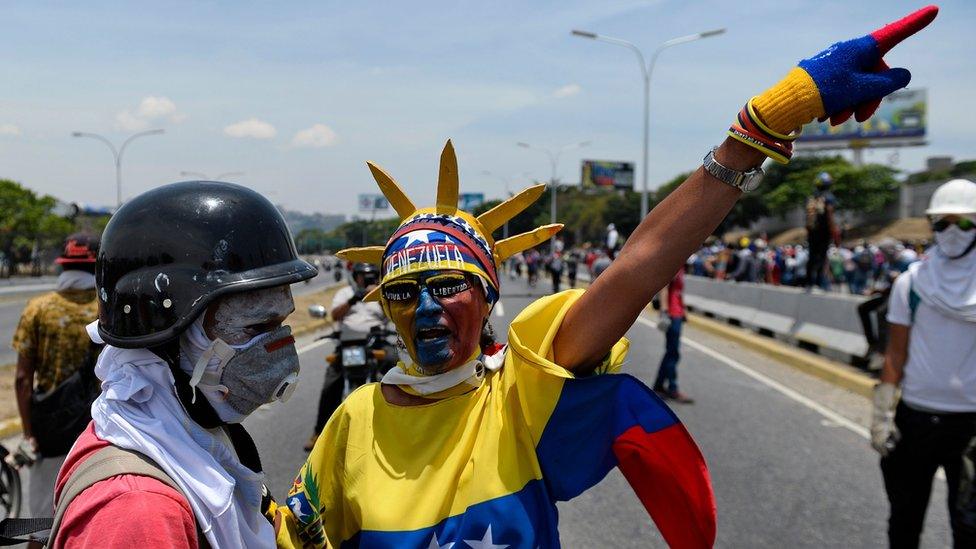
(106, 463)
(913, 299)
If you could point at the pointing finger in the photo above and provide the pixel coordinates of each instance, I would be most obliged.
(891, 34)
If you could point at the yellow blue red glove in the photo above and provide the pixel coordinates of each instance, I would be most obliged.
(848, 78)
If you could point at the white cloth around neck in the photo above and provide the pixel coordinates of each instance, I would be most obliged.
(73, 279)
(472, 373)
(138, 410)
(948, 285)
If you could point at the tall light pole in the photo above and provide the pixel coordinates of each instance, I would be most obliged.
(205, 177)
(117, 153)
(646, 70)
(554, 163)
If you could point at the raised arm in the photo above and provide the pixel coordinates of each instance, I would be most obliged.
(848, 78)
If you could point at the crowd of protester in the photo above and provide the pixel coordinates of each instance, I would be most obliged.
(861, 269)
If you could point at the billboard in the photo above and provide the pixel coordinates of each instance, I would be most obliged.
(608, 174)
(899, 120)
(373, 203)
(469, 201)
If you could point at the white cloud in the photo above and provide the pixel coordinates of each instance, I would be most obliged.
(253, 128)
(151, 109)
(318, 136)
(568, 90)
(9, 129)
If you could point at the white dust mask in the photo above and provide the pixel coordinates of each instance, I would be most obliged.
(237, 379)
(953, 241)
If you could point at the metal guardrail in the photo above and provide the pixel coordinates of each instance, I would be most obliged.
(825, 320)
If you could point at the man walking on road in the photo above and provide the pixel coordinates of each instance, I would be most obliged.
(932, 355)
(673, 316)
(52, 344)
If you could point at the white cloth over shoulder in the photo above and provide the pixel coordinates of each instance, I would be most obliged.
(949, 285)
(139, 410)
(941, 369)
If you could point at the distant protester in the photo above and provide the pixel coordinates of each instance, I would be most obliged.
(931, 356)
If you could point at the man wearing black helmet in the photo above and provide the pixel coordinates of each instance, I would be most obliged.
(355, 318)
(193, 286)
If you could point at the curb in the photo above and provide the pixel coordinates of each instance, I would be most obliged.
(819, 367)
(9, 427)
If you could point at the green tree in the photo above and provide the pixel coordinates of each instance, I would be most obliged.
(26, 219)
(863, 188)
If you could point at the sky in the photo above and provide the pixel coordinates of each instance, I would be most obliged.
(298, 95)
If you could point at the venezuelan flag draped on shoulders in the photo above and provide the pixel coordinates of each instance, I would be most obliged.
(485, 468)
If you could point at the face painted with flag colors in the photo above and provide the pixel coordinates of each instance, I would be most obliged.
(439, 269)
(433, 270)
(439, 316)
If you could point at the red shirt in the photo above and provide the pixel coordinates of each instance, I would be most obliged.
(125, 511)
(676, 293)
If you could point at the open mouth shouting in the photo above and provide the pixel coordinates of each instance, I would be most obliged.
(432, 334)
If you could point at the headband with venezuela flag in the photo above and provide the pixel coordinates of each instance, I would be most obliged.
(444, 237)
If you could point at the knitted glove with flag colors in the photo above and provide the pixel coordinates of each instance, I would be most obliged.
(848, 78)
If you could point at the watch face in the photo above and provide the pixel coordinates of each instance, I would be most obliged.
(752, 182)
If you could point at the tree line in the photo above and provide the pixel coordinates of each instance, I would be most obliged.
(587, 212)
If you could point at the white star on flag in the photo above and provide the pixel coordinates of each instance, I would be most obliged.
(485, 542)
(434, 544)
(420, 235)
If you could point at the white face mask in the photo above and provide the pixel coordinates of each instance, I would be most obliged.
(263, 370)
(239, 369)
(953, 241)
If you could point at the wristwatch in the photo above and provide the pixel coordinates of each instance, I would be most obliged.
(744, 181)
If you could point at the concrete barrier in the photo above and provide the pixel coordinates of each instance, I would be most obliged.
(826, 320)
(831, 321)
(779, 310)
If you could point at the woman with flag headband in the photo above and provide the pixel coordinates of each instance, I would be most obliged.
(467, 447)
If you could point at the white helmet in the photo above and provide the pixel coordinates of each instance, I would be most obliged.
(956, 197)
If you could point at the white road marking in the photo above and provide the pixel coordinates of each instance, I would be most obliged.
(499, 309)
(314, 345)
(773, 384)
(831, 416)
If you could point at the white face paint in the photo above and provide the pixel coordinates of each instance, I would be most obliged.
(238, 318)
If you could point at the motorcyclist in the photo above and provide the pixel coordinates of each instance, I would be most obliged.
(355, 318)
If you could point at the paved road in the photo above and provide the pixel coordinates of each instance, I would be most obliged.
(788, 455)
(12, 306)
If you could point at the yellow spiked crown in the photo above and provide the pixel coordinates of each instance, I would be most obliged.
(465, 240)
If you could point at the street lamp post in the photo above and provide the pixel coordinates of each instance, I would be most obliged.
(553, 163)
(646, 70)
(205, 177)
(117, 154)
(508, 191)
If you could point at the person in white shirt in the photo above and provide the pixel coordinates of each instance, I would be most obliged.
(613, 238)
(355, 318)
(932, 355)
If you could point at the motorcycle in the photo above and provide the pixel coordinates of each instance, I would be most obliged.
(364, 360)
(10, 492)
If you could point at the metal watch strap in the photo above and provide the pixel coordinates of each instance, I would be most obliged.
(744, 181)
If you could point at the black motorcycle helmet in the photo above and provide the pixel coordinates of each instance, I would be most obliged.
(370, 273)
(168, 253)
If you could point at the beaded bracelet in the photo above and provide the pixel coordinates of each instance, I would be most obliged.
(749, 129)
